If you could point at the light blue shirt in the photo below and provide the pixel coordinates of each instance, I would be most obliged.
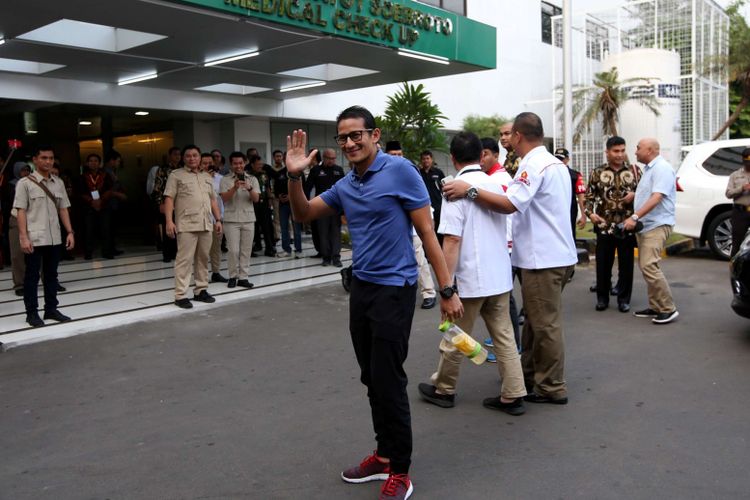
(658, 177)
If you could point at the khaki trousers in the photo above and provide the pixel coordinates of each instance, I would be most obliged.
(215, 252)
(426, 285)
(240, 244)
(17, 262)
(542, 342)
(192, 258)
(650, 245)
(496, 315)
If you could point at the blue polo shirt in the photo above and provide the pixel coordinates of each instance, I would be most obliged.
(377, 207)
(658, 177)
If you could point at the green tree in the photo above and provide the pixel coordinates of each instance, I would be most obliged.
(485, 126)
(738, 62)
(603, 99)
(412, 119)
(741, 127)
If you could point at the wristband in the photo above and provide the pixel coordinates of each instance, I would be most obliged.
(293, 178)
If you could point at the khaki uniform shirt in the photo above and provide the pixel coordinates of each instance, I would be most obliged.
(737, 179)
(42, 216)
(192, 194)
(239, 208)
(605, 193)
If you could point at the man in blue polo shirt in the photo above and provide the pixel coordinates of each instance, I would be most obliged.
(382, 197)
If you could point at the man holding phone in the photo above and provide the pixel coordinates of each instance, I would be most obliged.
(239, 192)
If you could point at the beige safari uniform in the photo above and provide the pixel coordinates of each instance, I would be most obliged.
(192, 193)
(239, 224)
(740, 208)
(42, 214)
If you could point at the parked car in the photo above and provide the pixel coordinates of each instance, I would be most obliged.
(740, 277)
(702, 210)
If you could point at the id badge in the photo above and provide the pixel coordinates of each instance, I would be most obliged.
(95, 195)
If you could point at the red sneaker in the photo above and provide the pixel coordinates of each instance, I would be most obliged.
(371, 469)
(397, 487)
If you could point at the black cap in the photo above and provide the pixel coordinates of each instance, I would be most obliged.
(746, 154)
(562, 153)
(392, 146)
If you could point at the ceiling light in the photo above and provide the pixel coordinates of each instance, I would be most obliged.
(2, 41)
(31, 67)
(302, 86)
(141, 113)
(328, 72)
(90, 36)
(231, 58)
(85, 123)
(31, 131)
(137, 79)
(231, 88)
(424, 57)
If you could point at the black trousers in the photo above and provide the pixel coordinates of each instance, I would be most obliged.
(43, 258)
(98, 225)
(740, 224)
(168, 245)
(380, 320)
(606, 244)
(329, 229)
(264, 225)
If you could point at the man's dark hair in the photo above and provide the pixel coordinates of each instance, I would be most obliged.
(491, 144)
(252, 159)
(93, 155)
(615, 140)
(466, 148)
(112, 154)
(237, 154)
(277, 151)
(426, 152)
(529, 125)
(207, 155)
(190, 146)
(173, 149)
(357, 112)
(37, 148)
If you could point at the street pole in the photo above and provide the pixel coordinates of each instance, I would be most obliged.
(567, 75)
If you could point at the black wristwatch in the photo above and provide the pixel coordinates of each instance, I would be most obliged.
(447, 292)
(472, 193)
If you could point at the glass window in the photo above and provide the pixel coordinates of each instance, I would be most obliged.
(724, 161)
(548, 12)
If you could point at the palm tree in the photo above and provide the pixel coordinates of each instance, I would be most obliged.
(603, 100)
(738, 61)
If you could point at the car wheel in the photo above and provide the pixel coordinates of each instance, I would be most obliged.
(720, 235)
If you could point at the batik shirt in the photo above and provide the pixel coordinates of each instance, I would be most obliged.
(605, 193)
(512, 161)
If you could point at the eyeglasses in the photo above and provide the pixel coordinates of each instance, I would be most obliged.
(355, 136)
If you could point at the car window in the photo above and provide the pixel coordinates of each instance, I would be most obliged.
(724, 161)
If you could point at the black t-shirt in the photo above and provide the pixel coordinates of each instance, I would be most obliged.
(323, 178)
(432, 180)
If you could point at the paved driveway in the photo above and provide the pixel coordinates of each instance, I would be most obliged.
(261, 400)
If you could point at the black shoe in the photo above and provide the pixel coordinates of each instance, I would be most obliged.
(88, 256)
(19, 292)
(184, 303)
(257, 247)
(615, 291)
(623, 307)
(224, 249)
(218, 278)
(244, 284)
(34, 320)
(600, 306)
(270, 253)
(663, 318)
(533, 397)
(326, 262)
(166, 259)
(253, 254)
(515, 408)
(346, 278)
(56, 316)
(428, 393)
(592, 288)
(337, 263)
(108, 256)
(61, 288)
(428, 303)
(204, 296)
(645, 313)
(232, 283)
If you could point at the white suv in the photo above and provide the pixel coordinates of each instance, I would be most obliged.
(703, 211)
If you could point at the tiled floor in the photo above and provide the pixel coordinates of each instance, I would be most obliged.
(137, 286)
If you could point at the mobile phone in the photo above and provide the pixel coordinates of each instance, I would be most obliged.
(445, 179)
(241, 177)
